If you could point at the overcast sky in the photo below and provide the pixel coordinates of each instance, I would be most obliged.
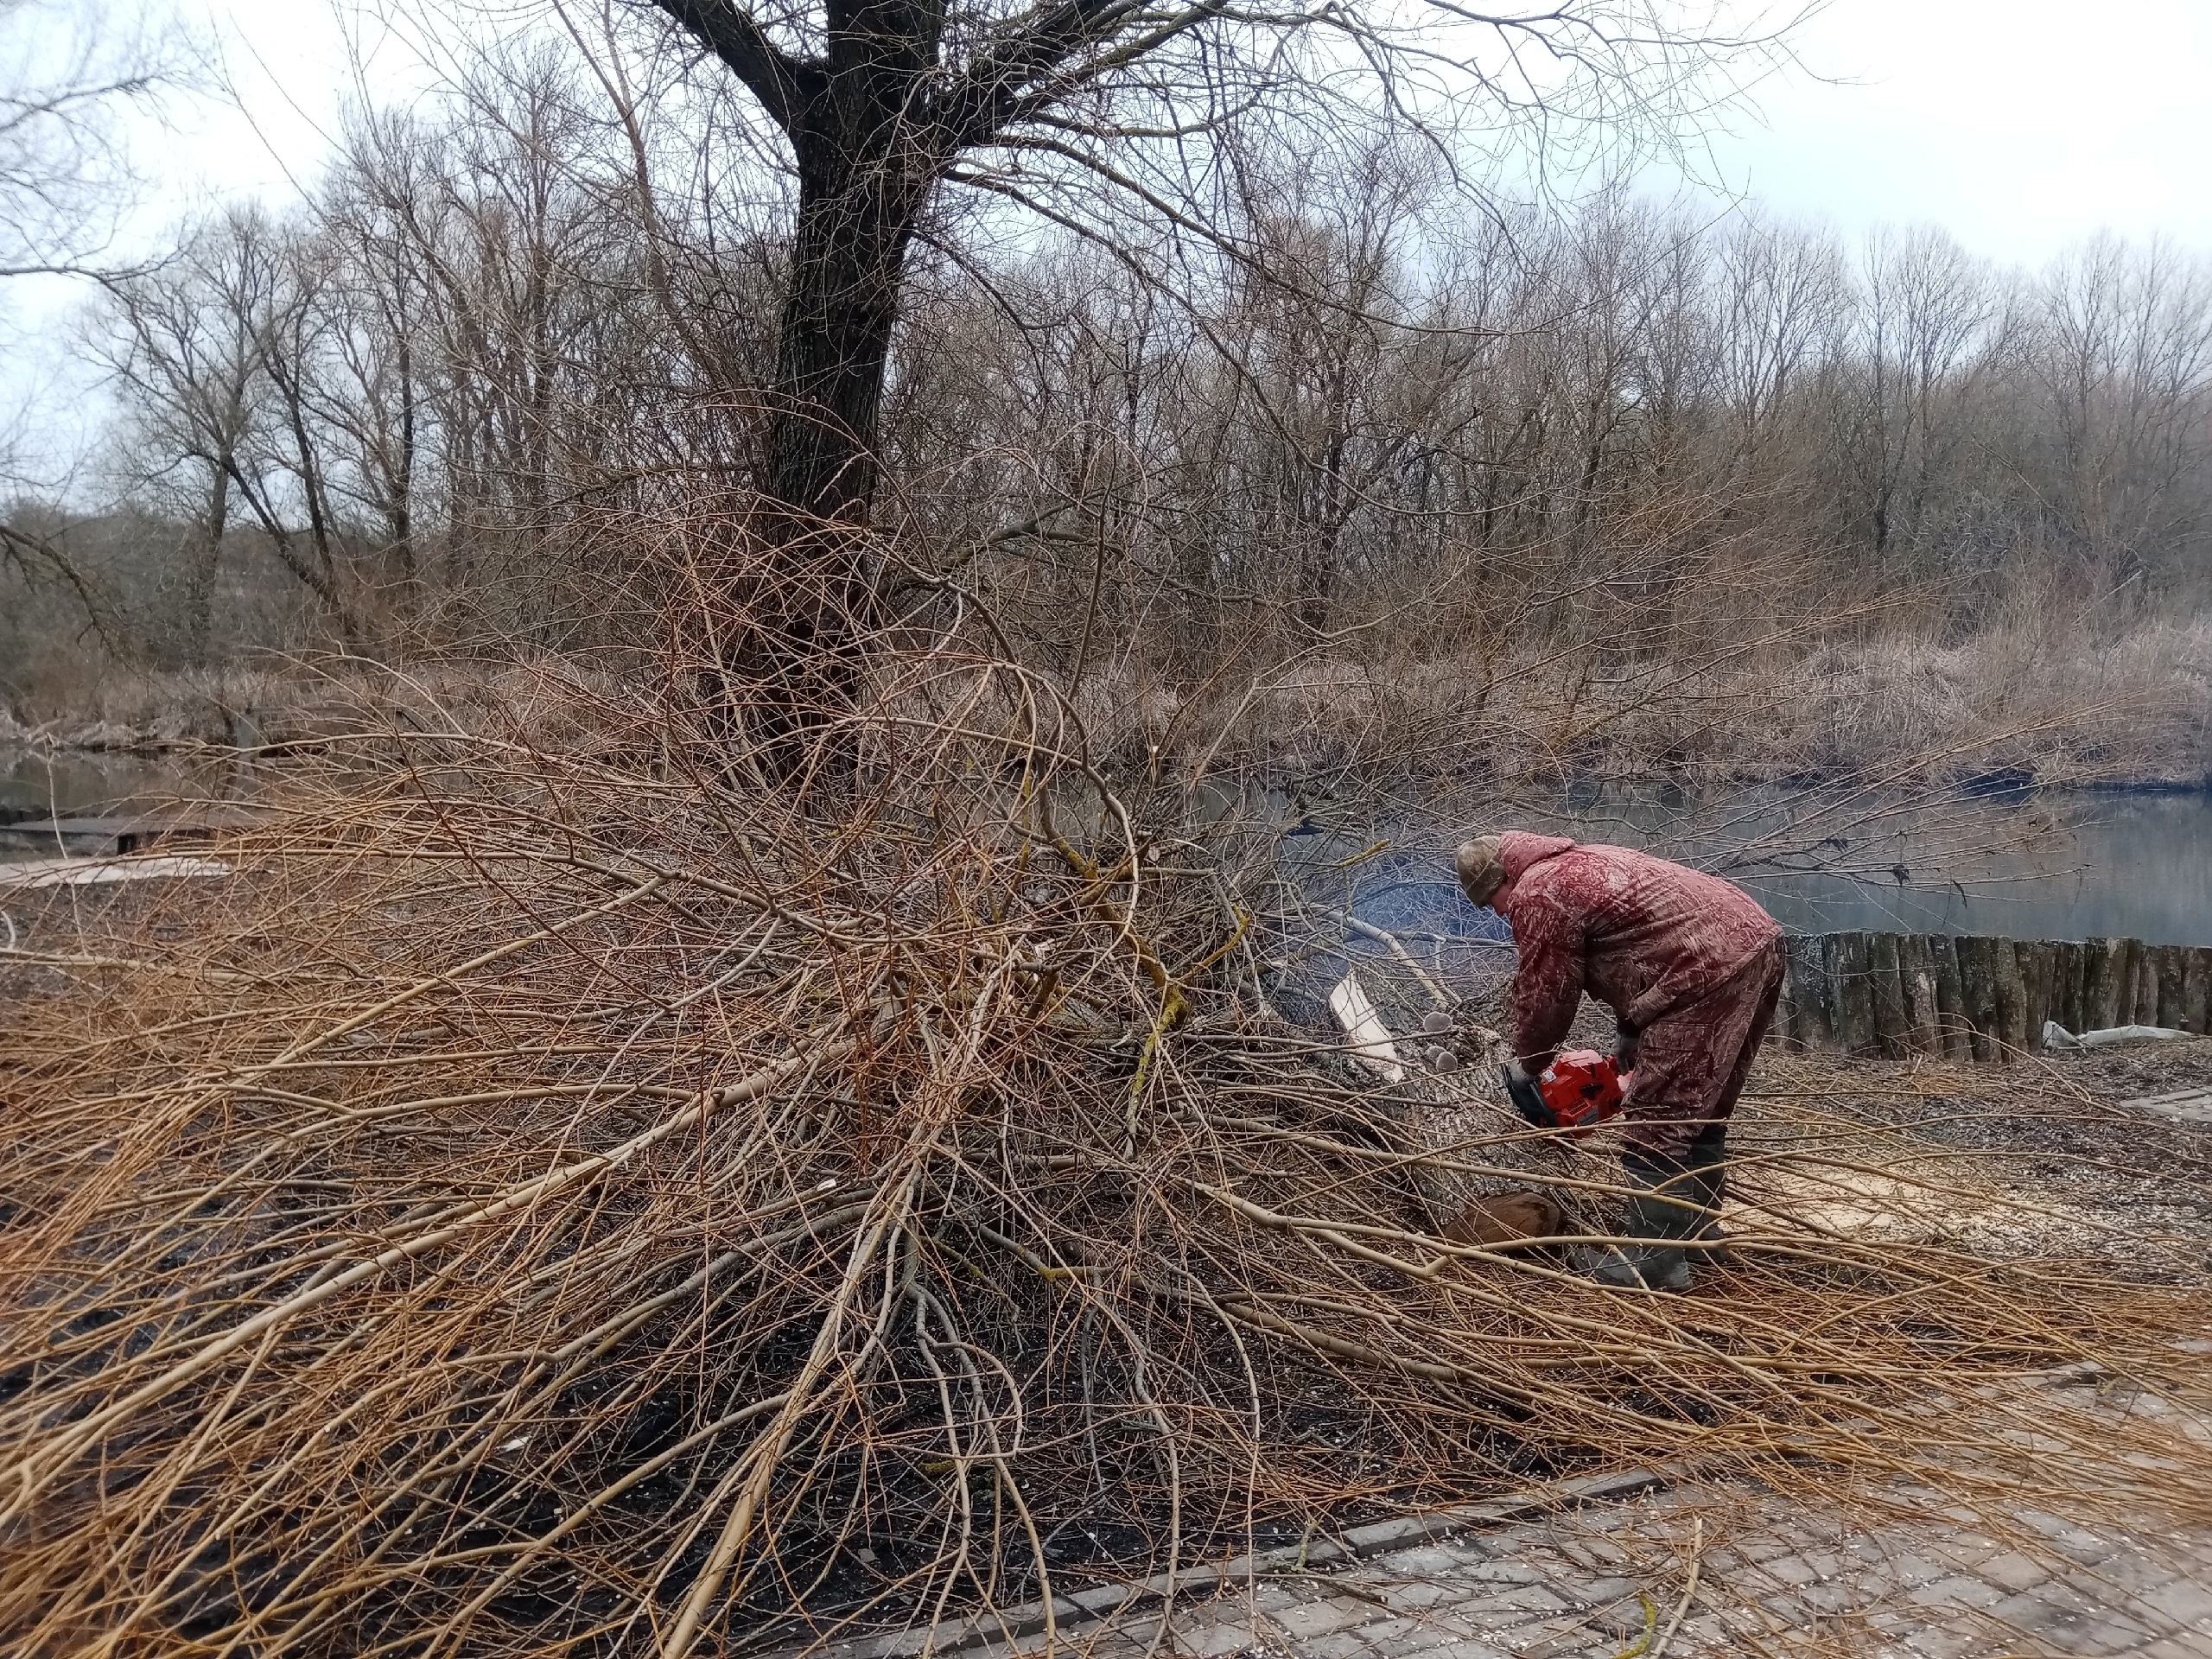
(2023, 125)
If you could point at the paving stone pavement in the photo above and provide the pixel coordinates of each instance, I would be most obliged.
(1714, 1569)
(1772, 1578)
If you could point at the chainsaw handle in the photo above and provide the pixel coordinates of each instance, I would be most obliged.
(1527, 1098)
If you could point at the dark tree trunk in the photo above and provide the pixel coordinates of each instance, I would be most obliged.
(855, 219)
(810, 607)
(865, 164)
(400, 502)
(206, 564)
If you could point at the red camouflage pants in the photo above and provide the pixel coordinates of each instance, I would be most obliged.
(1691, 1061)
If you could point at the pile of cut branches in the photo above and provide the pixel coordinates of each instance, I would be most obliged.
(664, 1196)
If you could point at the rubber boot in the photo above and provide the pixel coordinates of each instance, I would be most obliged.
(1705, 1183)
(1664, 1209)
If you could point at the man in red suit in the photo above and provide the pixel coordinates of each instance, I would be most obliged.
(1690, 966)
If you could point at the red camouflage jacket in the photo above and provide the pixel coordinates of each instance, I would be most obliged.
(1641, 935)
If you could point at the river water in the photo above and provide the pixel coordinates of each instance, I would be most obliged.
(2042, 865)
(2049, 865)
(2028, 865)
(37, 785)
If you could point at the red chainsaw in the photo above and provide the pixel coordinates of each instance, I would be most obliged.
(1579, 1090)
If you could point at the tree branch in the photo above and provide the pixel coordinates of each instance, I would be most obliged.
(1000, 76)
(20, 547)
(783, 83)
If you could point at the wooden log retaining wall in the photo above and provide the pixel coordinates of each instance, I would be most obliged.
(1967, 997)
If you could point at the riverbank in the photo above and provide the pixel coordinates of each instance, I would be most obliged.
(2050, 702)
(2051, 706)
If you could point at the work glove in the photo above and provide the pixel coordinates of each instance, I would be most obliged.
(1528, 1099)
(1625, 1040)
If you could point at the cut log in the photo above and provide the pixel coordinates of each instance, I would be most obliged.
(2101, 989)
(2144, 1010)
(1811, 1023)
(2126, 976)
(2166, 963)
(2084, 985)
(1917, 980)
(2037, 963)
(1786, 1031)
(2196, 991)
(1371, 1043)
(1950, 998)
(1977, 994)
(2011, 1027)
(1505, 1218)
(2071, 963)
(1783, 1033)
(1850, 977)
(1885, 989)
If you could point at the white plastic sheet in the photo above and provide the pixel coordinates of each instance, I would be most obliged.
(1370, 1044)
(2056, 1036)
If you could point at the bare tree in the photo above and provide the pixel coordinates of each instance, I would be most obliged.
(2125, 353)
(187, 374)
(374, 394)
(1257, 387)
(208, 353)
(1059, 106)
(1783, 296)
(1927, 311)
(65, 72)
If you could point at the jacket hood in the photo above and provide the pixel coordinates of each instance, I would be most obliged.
(1519, 848)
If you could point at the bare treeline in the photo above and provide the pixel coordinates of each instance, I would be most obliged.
(405, 412)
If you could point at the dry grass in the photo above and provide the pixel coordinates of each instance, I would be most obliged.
(2054, 702)
(282, 704)
(2039, 689)
(553, 1200)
